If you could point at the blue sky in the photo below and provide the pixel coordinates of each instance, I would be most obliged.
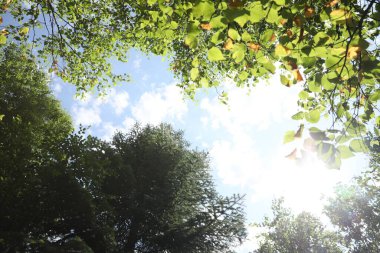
(244, 139)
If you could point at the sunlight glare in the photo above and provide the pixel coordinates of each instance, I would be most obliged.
(302, 185)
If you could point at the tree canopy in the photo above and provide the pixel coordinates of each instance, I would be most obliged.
(289, 233)
(327, 47)
(63, 191)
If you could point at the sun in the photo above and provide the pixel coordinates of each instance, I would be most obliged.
(303, 185)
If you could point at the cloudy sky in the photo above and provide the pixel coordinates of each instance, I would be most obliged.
(244, 139)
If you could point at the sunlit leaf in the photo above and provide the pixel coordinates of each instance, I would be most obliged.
(289, 136)
(345, 151)
(233, 34)
(313, 116)
(281, 50)
(214, 54)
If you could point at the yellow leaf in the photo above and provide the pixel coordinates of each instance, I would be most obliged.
(309, 12)
(353, 52)
(340, 15)
(283, 21)
(228, 45)
(206, 26)
(332, 3)
(297, 75)
(4, 32)
(254, 47)
(289, 33)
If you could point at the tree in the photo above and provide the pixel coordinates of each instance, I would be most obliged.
(328, 44)
(43, 205)
(302, 233)
(354, 210)
(62, 191)
(164, 199)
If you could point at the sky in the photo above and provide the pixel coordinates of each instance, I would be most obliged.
(244, 139)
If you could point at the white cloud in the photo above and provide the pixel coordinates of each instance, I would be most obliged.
(162, 104)
(236, 162)
(128, 123)
(86, 115)
(119, 101)
(266, 105)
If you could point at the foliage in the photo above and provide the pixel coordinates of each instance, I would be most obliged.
(164, 198)
(355, 210)
(328, 47)
(289, 233)
(67, 192)
(43, 204)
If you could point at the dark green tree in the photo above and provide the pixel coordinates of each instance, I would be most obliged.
(164, 199)
(302, 233)
(43, 202)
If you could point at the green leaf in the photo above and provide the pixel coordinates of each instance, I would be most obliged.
(289, 136)
(3, 39)
(267, 35)
(280, 2)
(241, 20)
(233, 34)
(1, 117)
(298, 116)
(24, 31)
(313, 116)
(151, 2)
(284, 80)
(243, 75)
(239, 52)
(281, 51)
(217, 37)
(219, 22)
(204, 82)
(256, 12)
(270, 66)
(204, 9)
(191, 41)
(194, 73)
(357, 145)
(273, 16)
(303, 95)
(214, 54)
(345, 151)
(246, 36)
(374, 97)
(332, 61)
(327, 85)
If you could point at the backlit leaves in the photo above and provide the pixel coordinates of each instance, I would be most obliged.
(325, 48)
(214, 54)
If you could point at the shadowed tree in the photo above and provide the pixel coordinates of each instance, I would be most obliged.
(42, 201)
(164, 198)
